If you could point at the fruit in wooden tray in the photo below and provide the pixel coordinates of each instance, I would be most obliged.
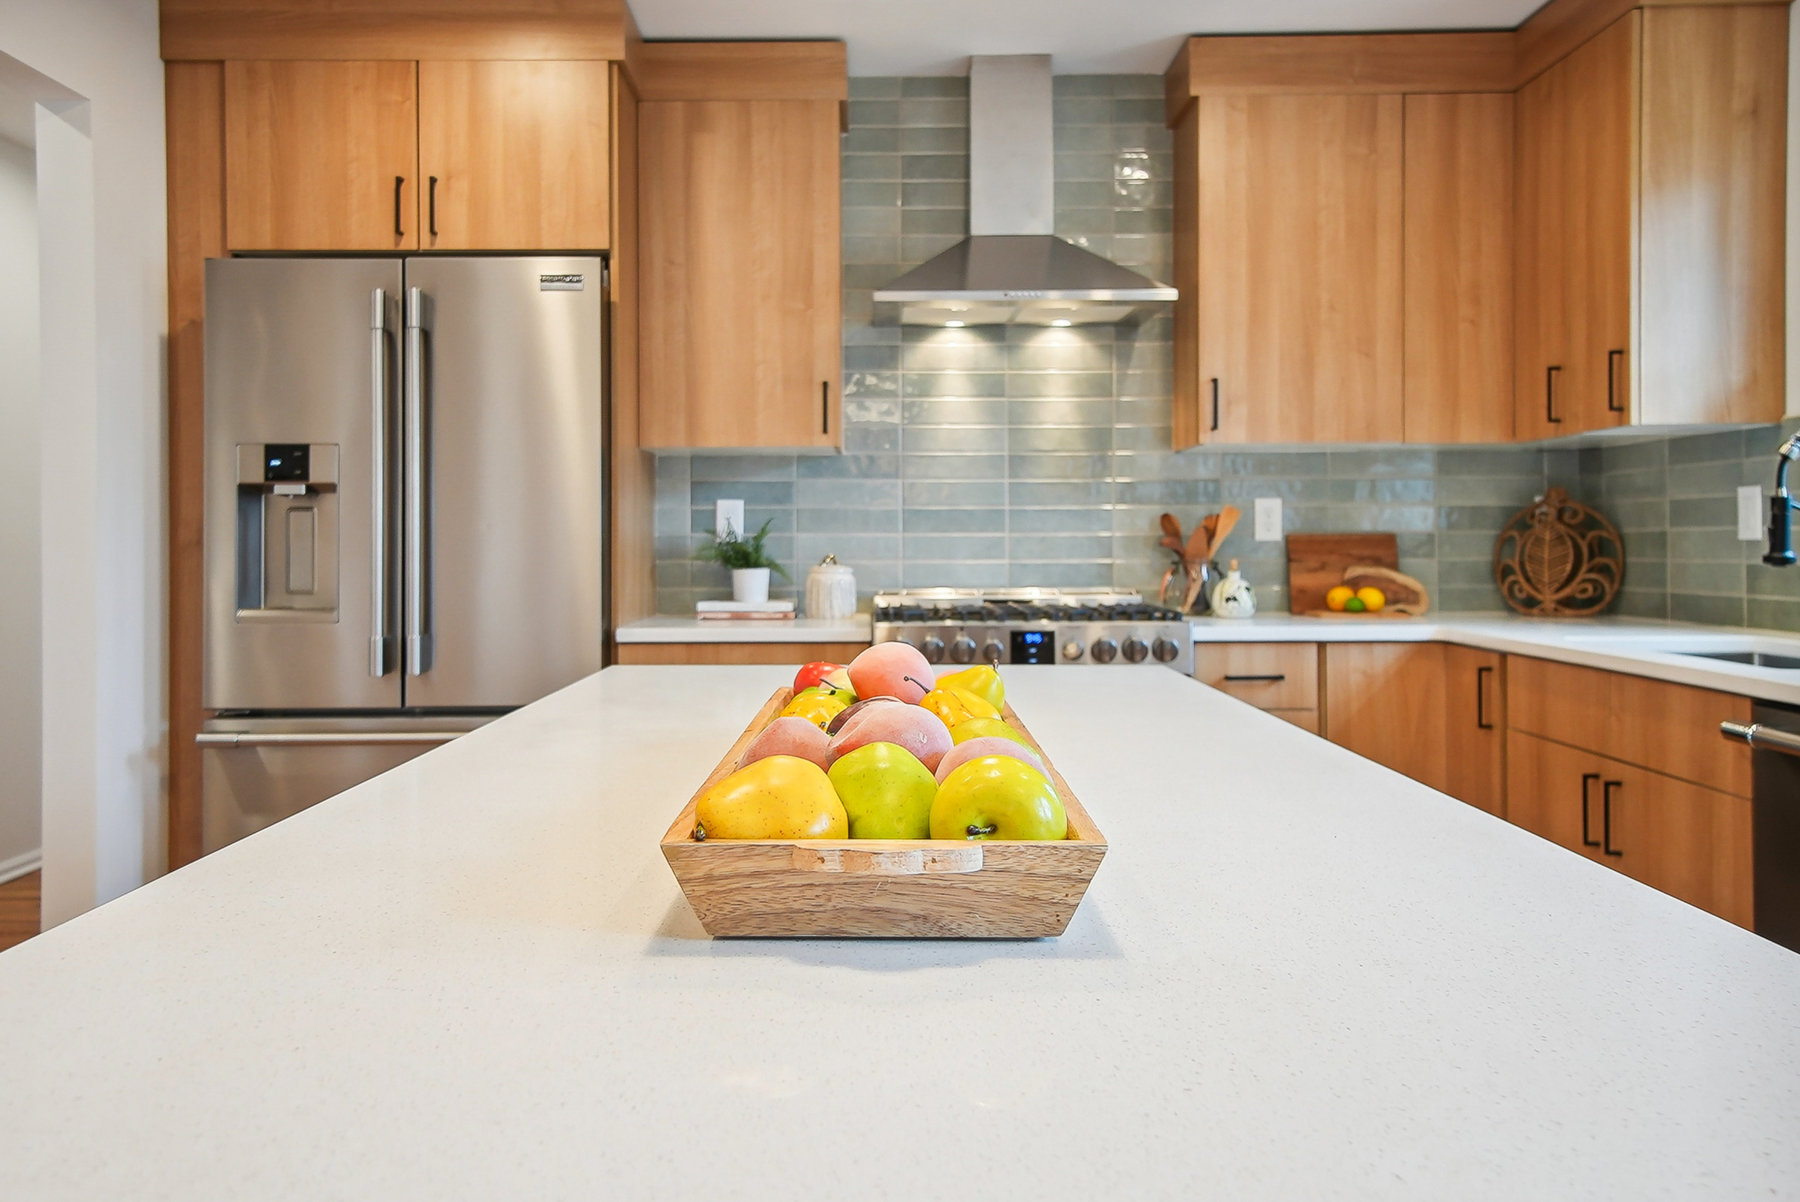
(843, 719)
(816, 673)
(973, 749)
(789, 736)
(997, 797)
(1338, 596)
(955, 705)
(918, 730)
(981, 680)
(891, 670)
(1373, 599)
(886, 792)
(781, 797)
(818, 705)
(978, 728)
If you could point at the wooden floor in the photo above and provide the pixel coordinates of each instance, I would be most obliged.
(19, 909)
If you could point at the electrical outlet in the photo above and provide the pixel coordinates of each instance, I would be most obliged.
(1268, 519)
(728, 515)
(1750, 513)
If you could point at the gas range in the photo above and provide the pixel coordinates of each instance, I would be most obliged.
(1035, 626)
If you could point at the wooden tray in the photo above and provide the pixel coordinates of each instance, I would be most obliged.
(1316, 564)
(882, 888)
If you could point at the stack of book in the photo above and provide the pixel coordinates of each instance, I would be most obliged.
(739, 611)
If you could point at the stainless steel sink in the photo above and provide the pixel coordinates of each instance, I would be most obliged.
(1755, 659)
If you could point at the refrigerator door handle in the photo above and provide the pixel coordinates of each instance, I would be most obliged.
(380, 458)
(418, 638)
(319, 739)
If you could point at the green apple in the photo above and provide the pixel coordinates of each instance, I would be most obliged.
(997, 797)
(886, 792)
(976, 728)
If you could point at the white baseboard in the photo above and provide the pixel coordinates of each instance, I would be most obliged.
(18, 866)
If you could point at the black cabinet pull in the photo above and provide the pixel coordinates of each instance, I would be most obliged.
(433, 206)
(1606, 792)
(1613, 358)
(1587, 837)
(399, 183)
(825, 406)
(1270, 679)
(1550, 395)
(1481, 720)
(1215, 401)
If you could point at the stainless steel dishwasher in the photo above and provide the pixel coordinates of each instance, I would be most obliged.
(1774, 733)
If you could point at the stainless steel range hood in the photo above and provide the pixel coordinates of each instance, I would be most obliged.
(1012, 268)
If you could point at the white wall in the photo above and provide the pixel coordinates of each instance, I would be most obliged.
(102, 294)
(19, 576)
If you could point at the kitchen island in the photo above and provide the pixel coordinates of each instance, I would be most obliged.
(1296, 974)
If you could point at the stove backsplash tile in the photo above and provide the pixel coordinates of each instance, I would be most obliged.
(1027, 456)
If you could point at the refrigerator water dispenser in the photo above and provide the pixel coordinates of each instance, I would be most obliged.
(287, 532)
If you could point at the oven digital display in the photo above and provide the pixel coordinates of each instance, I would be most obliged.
(1033, 646)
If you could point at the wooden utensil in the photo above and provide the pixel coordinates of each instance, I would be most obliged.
(1228, 520)
(1316, 563)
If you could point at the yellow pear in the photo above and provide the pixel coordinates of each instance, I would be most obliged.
(781, 797)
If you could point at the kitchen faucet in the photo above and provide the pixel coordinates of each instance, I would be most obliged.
(1781, 507)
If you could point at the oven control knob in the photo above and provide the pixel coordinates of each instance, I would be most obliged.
(1071, 650)
(1104, 650)
(1136, 649)
(992, 652)
(1165, 650)
(907, 639)
(933, 649)
(963, 649)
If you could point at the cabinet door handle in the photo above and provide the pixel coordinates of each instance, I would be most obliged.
(1550, 395)
(399, 185)
(825, 406)
(433, 206)
(1271, 678)
(1606, 792)
(1481, 719)
(1215, 403)
(1613, 359)
(1587, 837)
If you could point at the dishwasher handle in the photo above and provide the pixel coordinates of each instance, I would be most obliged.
(348, 738)
(1761, 737)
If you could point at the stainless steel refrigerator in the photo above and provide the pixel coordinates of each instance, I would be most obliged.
(403, 512)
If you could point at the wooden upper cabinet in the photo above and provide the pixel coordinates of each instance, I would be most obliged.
(740, 289)
(321, 156)
(1297, 314)
(514, 155)
(1459, 267)
(1652, 224)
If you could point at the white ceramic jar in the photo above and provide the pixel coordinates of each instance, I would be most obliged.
(830, 590)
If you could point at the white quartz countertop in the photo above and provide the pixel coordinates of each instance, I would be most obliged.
(1296, 975)
(855, 629)
(1637, 646)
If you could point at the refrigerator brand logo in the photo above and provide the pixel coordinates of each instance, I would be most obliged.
(560, 283)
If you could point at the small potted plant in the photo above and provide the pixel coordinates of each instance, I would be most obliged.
(748, 560)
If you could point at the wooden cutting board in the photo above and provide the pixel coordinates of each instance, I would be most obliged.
(1316, 563)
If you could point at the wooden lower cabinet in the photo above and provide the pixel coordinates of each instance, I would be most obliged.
(1427, 710)
(1691, 842)
(737, 653)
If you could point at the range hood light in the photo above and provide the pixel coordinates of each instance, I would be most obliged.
(953, 324)
(1062, 321)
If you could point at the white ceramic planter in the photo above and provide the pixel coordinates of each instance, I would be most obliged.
(750, 584)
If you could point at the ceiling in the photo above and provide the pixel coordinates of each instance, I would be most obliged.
(935, 37)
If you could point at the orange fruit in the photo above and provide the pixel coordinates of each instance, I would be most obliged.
(1337, 597)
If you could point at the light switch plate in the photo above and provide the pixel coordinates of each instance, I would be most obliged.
(1750, 513)
(728, 515)
(1268, 519)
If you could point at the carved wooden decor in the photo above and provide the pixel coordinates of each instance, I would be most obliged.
(1558, 558)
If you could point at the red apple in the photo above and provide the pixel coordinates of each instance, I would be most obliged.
(812, 674)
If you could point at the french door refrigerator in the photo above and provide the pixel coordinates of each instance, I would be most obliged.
(403, 512)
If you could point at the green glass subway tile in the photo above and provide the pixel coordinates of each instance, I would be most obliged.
(871, 358)
(1466, 544)
(1095, 166)
(951, 86)
(1652, 454)
(1034, 349)
(1059, 546)
(1712, 478)
(1711, 546)
(1084, 194)
(1058, 466)
(954, 354)
(1060, 384)
(1082, 85)
(1464, 573)
(952, 546)
(1139, 85)
(1714, 512)
(935, 574)
(873, 112)
(936, 194)
(1489, 461)
(875, 87)
(870, 385)
(1766, 614)
(934, 110)
(871, 139)
(1715, 611)
(1077, 519)
(1146, 411)
(872, 194)
(873, 222)
(1158, 492)
(952, 384)
(1488, 490)
(962, 494)
(1143, 221)
(1082, 110)
(953, 411)
(820, 494)
(917, 248)
(952, 439)
(1073, 223)
(849, 467)
(1645, 544)
(1418, 545)
(710, 466)
(951, 521)
(847, 520)
(858, 248)
(953, 467)
(871, 437)
(1138, 110)
(933, 139)
(1062, 495)
(1649, 513)
(1635, 485)
(871, 167)
(1686, 576)
(1143, 438)
(934, 167)
(1085, 139)
(1761, 580)
(1467, 600)
(1060, 438)
(1097, 574)
(1293, 490)
(758, 493)
(1152, 465)
(1059, 412)
(1647, 604)
(1725, 444)
(934, 221)
(847, 547)
(1395, 491)
(1488, 518)
(1273, 463)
